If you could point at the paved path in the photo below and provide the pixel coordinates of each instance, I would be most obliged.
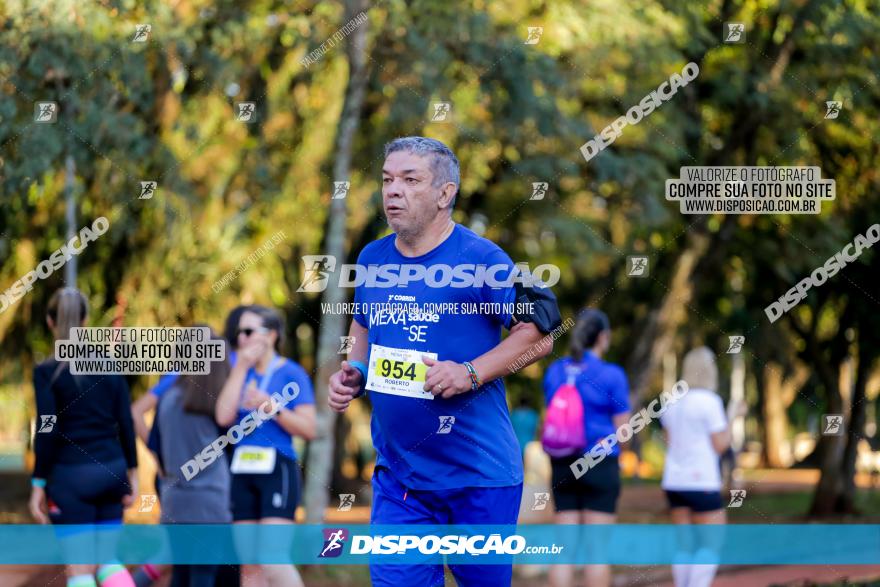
(792, 575)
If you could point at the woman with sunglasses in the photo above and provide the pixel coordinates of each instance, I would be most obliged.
(265, 473)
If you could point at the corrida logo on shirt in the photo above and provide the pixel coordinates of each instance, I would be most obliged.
(400, 314)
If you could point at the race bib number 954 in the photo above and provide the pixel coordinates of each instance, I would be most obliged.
(398, 372)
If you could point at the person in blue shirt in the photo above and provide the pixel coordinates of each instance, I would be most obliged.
(446, 450)
(265, 473)
(604, 390)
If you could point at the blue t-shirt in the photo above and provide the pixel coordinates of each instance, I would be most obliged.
(604, 391)
(168, 380)
(270, 433)
(413, 436)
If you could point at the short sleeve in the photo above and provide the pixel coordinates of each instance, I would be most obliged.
(619, 392)
(359, 315)
(504, 295)
(293, 373)
(716, 418)
(165, 383)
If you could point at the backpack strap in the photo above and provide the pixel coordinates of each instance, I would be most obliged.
(571, 373)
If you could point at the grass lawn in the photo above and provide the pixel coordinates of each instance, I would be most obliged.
(840, 584)
(793, 507)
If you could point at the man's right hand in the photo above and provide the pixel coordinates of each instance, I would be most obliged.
(344, 385)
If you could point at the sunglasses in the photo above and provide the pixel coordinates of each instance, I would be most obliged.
(250, 331)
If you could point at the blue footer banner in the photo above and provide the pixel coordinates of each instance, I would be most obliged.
(645, 544)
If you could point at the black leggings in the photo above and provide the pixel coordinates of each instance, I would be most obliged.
(193, 575)
(87, 493)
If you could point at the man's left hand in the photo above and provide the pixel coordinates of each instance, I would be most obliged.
(446, 378)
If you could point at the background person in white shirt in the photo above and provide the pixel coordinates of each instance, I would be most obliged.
(696, 434)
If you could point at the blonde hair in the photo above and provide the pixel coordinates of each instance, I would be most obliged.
(68, 308)
(699, 369)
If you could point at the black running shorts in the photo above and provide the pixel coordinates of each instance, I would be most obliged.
(269, 495)
(696, 501)
(597, 490)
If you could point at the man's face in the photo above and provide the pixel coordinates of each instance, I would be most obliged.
(409, 199)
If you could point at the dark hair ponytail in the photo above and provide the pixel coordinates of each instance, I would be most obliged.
(200, 391)
(590, 324)
(68, 308)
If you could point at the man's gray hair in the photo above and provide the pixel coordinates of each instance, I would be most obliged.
(444, 163)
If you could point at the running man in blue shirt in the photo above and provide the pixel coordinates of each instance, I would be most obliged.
(447, 453)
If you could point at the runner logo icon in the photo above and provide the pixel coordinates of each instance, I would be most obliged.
(346, 343)
(535, 33)
(737, 497)
(142, 33)
(735, 31)
(832, 109)
(541, 500)
(346, 500)
(833, 425)
(334, 539)
(47, 423)
(736, 343)
(340, 190)
(441, 111)
(446, 423)
(246, 111)
(539, 190)
(317, 272)
(147, 503)
(637, 266)
(148, 189)
(46, 112)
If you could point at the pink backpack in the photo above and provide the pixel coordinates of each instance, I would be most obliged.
(564, 433)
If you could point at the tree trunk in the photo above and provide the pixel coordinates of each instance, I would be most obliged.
(856, 427)
(830, 450)
(737, 399)
(70, 218)
(321, 451)
(657, 337)
(778, 394)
